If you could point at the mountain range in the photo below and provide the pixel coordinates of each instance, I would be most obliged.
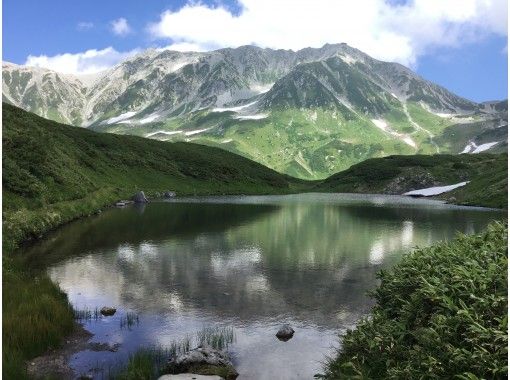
(308, 113)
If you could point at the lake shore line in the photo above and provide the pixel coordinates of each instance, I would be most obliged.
(63, 336)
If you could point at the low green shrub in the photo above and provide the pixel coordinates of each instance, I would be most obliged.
(440, 314)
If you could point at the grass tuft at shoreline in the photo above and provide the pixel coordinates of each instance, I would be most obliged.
(36, 316)
(441, 313)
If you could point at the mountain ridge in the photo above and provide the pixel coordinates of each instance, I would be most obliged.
(307, 113)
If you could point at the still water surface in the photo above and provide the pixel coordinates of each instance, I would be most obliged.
(250, 262)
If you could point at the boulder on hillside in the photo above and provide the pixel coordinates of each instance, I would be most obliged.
(140, 197)
(203, 360)
(169, 194)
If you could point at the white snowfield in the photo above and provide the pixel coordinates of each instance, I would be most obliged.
(445, 115)
(261, 88)
(196, 131)
(149, 119)
(473, 148)
(124, 116)
(186, 133)
(162, 133)
(252, 117)
(429, 191)
(233, 109)
(382, 125)
(484, 147)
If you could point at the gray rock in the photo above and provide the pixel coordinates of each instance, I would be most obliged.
(108, 311)
(120, 204)
(86, 377)
(190, 376)
(169, 194)
(204, 360)
(285, 333)
(140, 197)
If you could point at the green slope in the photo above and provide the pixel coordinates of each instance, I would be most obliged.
(487, 174)
(314, 143)
(53, 173)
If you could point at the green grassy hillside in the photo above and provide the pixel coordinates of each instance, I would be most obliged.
(441, 313)
(53, 173)
(487, 174)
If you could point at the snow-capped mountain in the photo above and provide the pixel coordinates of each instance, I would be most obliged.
(308, 113)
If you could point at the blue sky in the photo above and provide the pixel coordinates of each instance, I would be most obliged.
(461, 45)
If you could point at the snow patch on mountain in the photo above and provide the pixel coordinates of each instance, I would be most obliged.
(124, 116)
(233, 109)
(261, 88)
(196, 131)
(382, 125)
(163, 133)
(252, 117)
(473, 148)
(149, 119)
(444, 115)
(484, 147)
(429, 191)
(350, 60)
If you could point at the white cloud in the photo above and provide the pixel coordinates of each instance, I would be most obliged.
(380, 28)
(84, 25)
(396, 32)
(184, 46)
(88, 62)
(120, 27)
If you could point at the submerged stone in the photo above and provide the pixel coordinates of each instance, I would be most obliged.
(285, 333)
(108, 311)
(189, 376)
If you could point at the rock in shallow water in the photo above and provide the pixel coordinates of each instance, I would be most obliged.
(108, 311)
(190, 376)
(140, 197)
(169, 194)
(203, 360)
(285, 333)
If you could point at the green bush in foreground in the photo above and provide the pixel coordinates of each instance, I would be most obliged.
(440, 314)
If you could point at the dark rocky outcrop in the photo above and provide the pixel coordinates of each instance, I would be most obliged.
(140, 197)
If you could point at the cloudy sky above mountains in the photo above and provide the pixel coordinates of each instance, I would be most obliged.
(461, 44)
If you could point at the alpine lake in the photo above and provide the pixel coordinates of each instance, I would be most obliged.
(242, 264)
